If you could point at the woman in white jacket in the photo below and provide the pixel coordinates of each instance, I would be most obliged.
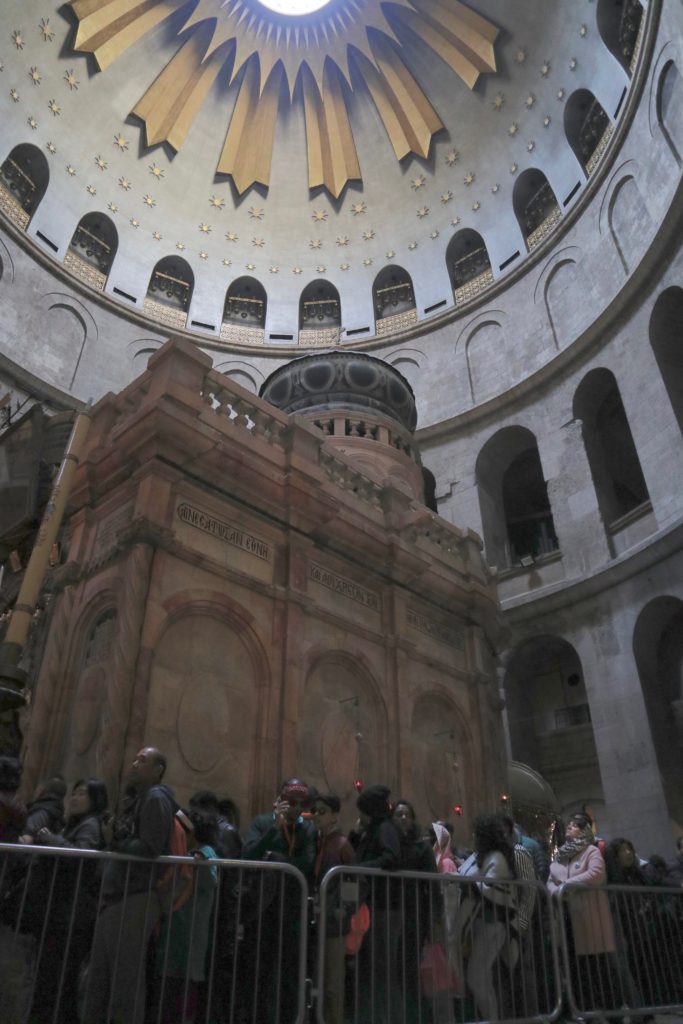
(488, 916)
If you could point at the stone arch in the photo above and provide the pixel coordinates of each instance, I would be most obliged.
(516, 516)
(487, 367)
(409, 362)
(535, 206)
(559, 281)
(205, 696)
(343, 730)
(92, 249)
(392, 292)
(585, 123)
(24, 177)
(69, 332)
(6, 264)
(619, 24)
(319, 306)
(141, 350)
(658, 652)
(615, 467)
(468, 264)
(668, 105)
(442, 757)
(666, 338)
(627, 217)
(169, 292)
(246, 302)
(549, 719)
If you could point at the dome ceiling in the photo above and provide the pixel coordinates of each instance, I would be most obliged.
(289, 148)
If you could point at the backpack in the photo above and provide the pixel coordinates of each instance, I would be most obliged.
(176, 885)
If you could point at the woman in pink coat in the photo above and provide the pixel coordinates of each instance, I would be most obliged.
(579, 862)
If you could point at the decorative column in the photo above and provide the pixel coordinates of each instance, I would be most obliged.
(117, 707)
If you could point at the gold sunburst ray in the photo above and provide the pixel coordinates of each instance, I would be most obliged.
(267, 49)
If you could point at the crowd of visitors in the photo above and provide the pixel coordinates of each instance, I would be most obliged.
(426, 932)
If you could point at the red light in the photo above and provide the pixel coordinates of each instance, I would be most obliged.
(358, 785)
(457, 809)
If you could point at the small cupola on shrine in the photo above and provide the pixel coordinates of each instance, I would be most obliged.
(364, 406)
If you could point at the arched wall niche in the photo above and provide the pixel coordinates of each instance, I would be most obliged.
(669, 107)
(487, 366)
(205, 698)
(468, 264)
(666, 338)
(619, 24)
(92, 249)
(615, 467)
(319, 306)
(535, 205)
(585, 123)
(342, 726)
(441, 756)
(557, 285)
(6, 264)
(90, 675)
(392, 292)
(245, 303)
(24, 178)
(658, 652)
(549, 718)
(169, 292)
(517, 519)
(409, 362)
(629, 220)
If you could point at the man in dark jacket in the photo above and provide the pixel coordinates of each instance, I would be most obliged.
(272, 943)
(131, 905)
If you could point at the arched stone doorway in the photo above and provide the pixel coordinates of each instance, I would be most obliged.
(549, 720)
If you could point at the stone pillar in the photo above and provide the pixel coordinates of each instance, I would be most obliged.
(573, 500)
(116, 711)
(628, 763)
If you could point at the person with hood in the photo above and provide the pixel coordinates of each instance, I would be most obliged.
(131, 907)
(66, 892)
(47, 810)
(378, 845)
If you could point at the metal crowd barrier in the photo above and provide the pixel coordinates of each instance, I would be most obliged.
(436, 950)
(622, 950)
(188, 941)
(184, 940)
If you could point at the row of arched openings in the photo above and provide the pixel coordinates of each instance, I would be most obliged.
(517, 513)
(24, 175)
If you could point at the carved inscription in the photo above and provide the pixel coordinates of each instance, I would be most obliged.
(452, 636)
(347, 588)
(227, 532)
(109, 529)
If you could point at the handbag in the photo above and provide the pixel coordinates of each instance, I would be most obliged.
(358, 926)
(436, 974)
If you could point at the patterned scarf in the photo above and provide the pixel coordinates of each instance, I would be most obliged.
(573, 847)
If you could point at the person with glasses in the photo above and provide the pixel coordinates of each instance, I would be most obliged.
(334, 850)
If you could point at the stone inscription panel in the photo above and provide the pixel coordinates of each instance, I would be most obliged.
(342, 595)
(108, 531)
(227, 541)
(435, 629)
(225, 531)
